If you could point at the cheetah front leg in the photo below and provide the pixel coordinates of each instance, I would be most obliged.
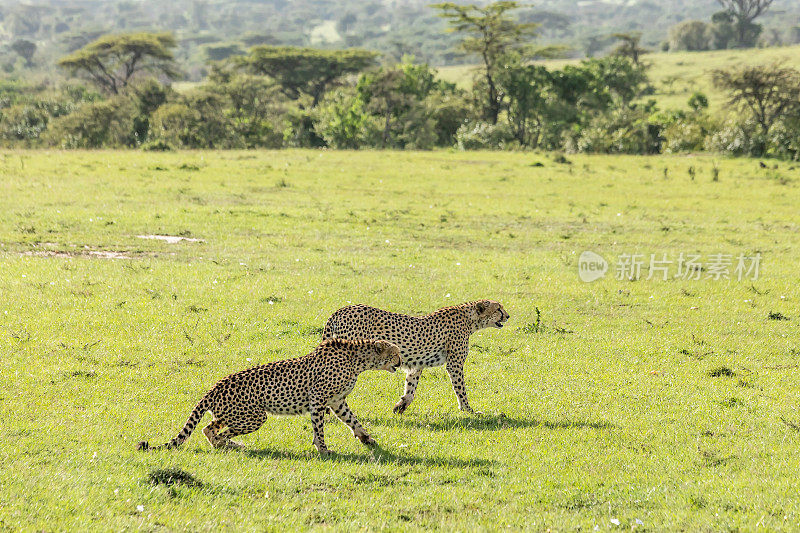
(455, 369)
(318, 423)
(343, 413)
(412, 379)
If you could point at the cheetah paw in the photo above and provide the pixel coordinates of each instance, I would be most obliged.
(367, 440)
(400, 407)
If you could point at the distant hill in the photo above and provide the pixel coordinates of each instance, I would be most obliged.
(212, 29)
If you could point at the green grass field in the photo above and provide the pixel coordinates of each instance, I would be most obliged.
(649, 405)
(675, 75)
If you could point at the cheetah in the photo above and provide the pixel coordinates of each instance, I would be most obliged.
(310, 384)
(440, 338)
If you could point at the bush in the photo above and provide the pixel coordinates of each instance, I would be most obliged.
(784, 139)
(107, 123)
(685, 135)
(341, 120)
(690, 35)
(197, 121)
(622, 131)
(27, 121)
(158, 145)
(23, 122)
(737, 137)
(485, 136)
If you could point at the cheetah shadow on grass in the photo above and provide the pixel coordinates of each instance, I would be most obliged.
(485, 423)
(373, 455)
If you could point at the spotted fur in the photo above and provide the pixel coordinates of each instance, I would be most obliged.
(440, 338)
(310, 384)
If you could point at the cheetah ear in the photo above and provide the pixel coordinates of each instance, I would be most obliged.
(480, 307)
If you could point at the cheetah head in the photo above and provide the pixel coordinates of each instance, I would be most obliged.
(386, 356)
(489, 314)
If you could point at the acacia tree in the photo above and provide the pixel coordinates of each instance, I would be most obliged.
(629, 46)
(770, 92)
(113, 61)
(491, 34)
(744, 13)
(25, 49)
(308, 71)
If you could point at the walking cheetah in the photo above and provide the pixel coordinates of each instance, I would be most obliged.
(440, 338)
(311, 384)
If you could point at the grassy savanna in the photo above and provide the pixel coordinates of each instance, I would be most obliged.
(657, 405)
(675, 75)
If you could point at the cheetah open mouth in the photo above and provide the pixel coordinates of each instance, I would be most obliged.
(498, 324)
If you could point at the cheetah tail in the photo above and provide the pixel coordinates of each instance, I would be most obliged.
(198, 412)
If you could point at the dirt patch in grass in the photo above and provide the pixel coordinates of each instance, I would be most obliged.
(98, 254)
(170, 239)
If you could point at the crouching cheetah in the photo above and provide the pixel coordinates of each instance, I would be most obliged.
(311, 384)
(440, 338)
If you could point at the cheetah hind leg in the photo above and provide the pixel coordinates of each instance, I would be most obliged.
(221, 439)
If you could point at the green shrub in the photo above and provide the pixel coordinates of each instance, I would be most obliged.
(484, 136)
(784, 139)
(737, 137)
(622, 131)
(107, 123)
(23, 122)
(197, 121)
(687, 134)
(341, 120)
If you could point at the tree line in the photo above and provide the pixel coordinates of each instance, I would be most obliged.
(286, 96)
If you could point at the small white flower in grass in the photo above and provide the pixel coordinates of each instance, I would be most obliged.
(94, 456)
(140, 508)
(387, 241)
(615, 521)
(458, 264)
(311, 291)
(52, 283)
(271, 302)
(619, 214)
(639, 522)
(242, 264)
(214, 282)
(298, 259)
(596, 528)
(24, 276)
(782, 297)
(447, 295)
(116, 491)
